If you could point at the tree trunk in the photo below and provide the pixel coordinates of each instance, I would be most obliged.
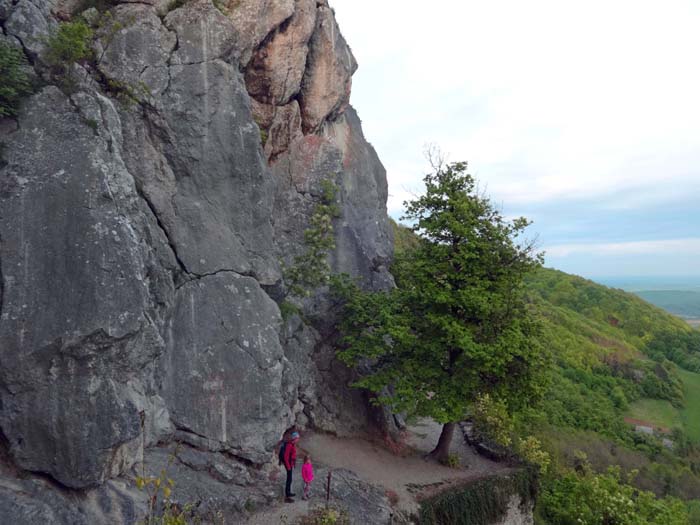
(441, 452)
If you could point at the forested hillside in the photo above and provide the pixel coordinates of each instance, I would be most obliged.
(624, 392)
(622, 367)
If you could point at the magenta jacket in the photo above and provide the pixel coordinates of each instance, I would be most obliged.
(307, 472)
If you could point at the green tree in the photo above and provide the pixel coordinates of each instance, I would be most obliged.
(14, 82)
(311, 269)
(457, 325)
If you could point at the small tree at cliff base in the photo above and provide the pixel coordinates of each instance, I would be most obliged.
(457, 326)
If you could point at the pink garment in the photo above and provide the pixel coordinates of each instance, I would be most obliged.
(307, 472)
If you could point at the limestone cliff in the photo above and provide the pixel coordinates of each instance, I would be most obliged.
(146, 214)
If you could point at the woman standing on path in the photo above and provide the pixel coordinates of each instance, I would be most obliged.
(290, 458)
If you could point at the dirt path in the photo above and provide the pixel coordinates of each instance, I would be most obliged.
(375, 464)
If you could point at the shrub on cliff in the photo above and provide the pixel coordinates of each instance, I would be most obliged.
(71, 43)
(311, 269)
(14, 82)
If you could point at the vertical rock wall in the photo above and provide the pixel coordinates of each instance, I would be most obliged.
(146, 214)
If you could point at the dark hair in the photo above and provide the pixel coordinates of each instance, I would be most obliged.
(288, 433)
(306, 458)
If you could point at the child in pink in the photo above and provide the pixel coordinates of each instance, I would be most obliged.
(307, 474)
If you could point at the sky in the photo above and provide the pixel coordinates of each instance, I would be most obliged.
(582, 116)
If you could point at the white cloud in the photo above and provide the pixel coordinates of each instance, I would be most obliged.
(682, 247)
(548, 100)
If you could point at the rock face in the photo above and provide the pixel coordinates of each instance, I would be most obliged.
(146, 215)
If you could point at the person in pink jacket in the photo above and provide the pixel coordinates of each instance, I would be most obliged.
(307, 474)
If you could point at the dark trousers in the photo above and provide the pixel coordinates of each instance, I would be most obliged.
(288, 486)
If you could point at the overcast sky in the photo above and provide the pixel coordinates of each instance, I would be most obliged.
(582, 116)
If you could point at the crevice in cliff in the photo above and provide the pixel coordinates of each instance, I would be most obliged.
(169, 62)
(161, 226)
(184, 428)
(240, 459)
(192, 276)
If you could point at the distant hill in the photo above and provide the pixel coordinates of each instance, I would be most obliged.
(683, 303)
(633, 317)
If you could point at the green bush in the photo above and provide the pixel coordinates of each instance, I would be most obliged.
(453, 461)
(601, 499)
(325, 516)
(70, 44)
(14, 82)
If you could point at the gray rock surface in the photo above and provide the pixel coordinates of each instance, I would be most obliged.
(29, 22)
(143, 229)
(203, 33)
(77, 313)
(213, 498)
(135, 57)
(223, 369)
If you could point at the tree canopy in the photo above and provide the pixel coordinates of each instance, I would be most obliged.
(457, 325)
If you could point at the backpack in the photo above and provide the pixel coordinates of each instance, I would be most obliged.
(283, 448)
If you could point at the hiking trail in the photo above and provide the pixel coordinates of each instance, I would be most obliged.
(407, 475)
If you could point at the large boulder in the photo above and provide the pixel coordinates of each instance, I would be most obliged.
(204, 33)
(223, 368)
(364, 238)
(363, 249)
(325, 89)
(32, 501)
(274, 74)
(134, 58)
(29, 22)
(254, 20)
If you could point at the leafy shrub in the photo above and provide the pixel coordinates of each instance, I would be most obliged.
(69, 44)
(159, 490)
(221, 6)
(601, 499)
(492, 419)
(694, 512)
(530, 449)
(326, 516)
(288, 310)
(14, 82)
(452, 461)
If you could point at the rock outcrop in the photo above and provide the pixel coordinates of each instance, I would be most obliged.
(148, 208)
